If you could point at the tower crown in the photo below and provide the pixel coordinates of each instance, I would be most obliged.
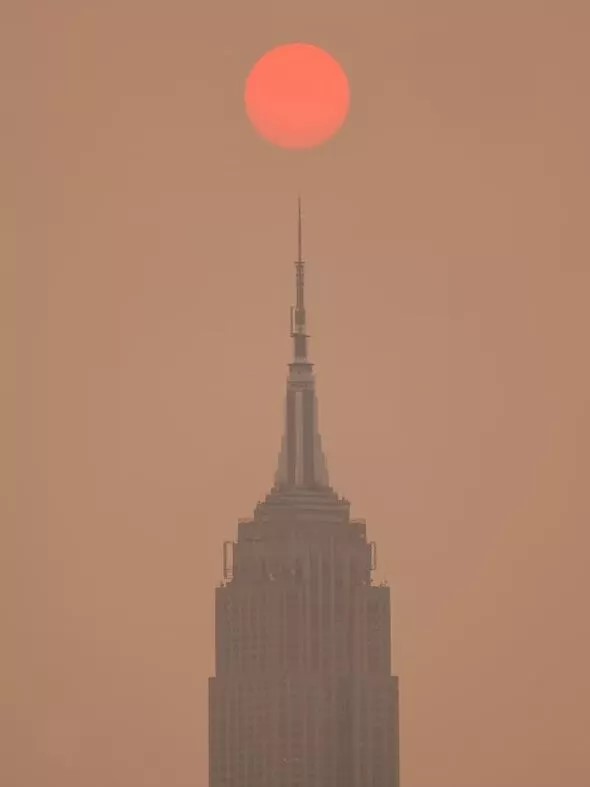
(298, 319)
(301, 461)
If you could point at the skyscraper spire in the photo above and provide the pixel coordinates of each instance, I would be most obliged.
(301, 461)
(298, 325)
(299, 231)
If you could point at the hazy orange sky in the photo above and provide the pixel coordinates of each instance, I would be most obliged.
(149, 238)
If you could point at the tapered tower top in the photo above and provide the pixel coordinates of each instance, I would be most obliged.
(301, 462)
(298, 324)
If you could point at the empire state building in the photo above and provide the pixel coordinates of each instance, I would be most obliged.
(303, 694)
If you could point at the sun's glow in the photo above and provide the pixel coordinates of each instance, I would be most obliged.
(297, 96)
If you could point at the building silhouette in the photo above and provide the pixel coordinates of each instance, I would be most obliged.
(303, 694)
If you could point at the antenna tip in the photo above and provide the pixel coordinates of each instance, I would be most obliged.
(299, 239)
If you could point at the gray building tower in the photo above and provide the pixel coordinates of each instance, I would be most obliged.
(303, 694)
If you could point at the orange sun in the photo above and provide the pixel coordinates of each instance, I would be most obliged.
(297, 96)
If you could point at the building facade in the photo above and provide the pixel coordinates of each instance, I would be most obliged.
(303, 694)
